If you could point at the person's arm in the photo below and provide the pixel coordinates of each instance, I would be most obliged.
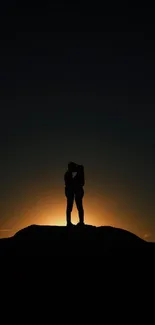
(80, 169)
(66, 178)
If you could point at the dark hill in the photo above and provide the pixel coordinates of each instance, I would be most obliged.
(76, 240)
(37, 256)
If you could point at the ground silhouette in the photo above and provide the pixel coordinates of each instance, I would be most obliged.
(74, 260)
(84, 240)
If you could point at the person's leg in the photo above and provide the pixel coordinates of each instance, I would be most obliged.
(79, 204)
(70, 201)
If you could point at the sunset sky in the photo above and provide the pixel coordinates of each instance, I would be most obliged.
(77, 84)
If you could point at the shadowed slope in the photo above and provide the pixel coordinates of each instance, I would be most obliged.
(75, 240)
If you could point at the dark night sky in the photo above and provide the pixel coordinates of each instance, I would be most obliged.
(77, 83)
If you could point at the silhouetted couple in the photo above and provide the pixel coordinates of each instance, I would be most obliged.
(74, 182)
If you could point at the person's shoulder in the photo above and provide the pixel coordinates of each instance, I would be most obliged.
(66, 174)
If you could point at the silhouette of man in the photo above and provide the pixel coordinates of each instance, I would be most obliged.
(74, 182)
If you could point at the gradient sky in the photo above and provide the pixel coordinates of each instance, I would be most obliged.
(77, 83)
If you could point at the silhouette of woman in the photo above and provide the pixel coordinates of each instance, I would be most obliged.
(74, 182)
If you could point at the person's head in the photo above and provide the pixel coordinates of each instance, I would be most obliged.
(72, 167)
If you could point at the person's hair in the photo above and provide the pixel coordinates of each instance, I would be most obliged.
(71, 166)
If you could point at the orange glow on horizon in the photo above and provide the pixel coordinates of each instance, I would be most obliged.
(99, 211)
(47, 213)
